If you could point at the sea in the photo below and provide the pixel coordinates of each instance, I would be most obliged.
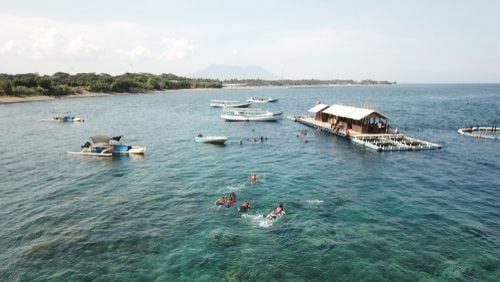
(351, 213)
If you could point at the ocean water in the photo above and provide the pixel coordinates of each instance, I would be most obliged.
(351, 213)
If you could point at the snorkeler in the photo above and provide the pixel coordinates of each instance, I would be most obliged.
(278, 211)
(244, 206)
(221, 201)
(253, 178)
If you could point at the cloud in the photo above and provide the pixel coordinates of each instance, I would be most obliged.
(50, 43)
(139, 52)
(12, 47)
(175, 49)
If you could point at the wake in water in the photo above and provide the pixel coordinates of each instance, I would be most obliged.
(259, 220)
(314, 202)
(236, 187)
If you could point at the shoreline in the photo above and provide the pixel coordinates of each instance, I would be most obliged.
(6, 100)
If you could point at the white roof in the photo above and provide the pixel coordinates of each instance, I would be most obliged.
(317, 108)
(350, 112)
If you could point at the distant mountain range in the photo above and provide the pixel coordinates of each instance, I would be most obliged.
(226, 72)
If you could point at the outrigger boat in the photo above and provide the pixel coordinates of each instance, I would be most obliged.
(105, 146)
(63, 117)
(261, 100)
(210, 139)
(228, 104)
(233, 114)
(487, 132)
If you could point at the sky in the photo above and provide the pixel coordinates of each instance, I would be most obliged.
(439, 41)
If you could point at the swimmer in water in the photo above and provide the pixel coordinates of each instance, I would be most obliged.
(278, 211)
(221, 201)
(244, 206)
(253, 178)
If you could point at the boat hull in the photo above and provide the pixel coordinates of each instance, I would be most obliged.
(124, 149)
(486, 132)
(92, 154)
(271, 117)
(211, 139)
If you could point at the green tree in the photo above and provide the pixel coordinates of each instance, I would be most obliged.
(6, 87)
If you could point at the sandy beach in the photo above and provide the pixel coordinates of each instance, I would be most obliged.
(12, 100)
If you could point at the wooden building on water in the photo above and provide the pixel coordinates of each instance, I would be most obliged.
(363, 126)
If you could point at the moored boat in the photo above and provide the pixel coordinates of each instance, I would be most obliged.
(261, 100)
(228, 104)
(487, 132)
(233, 114)
(105, 146)
(210, 139)
(63, 117)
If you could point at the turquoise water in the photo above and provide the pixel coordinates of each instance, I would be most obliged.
(351, 213)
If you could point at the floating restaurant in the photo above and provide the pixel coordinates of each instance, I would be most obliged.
(363, 126)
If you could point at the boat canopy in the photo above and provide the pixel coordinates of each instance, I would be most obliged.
(104, 139)
(318, 108)
(352, 112)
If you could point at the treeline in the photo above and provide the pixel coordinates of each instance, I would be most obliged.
(303, 82)
(59, 84)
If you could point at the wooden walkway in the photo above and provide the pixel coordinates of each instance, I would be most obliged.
(378, 142)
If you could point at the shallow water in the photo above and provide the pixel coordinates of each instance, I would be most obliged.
(351, 213)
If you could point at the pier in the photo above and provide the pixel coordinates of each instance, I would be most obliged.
(362, 126)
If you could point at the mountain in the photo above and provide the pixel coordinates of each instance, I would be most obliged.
(224, 72)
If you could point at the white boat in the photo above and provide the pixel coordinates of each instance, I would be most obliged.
(234, 114)
(63, 117)
(261, 100)
(210, 139)
(105, 146)
(228, 104)
(486, 132)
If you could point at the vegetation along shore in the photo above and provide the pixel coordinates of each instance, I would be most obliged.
(15, 88)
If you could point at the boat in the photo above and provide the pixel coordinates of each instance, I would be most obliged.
(210, 139)
(105, 146)
(486, 132)
(228, 104)
(235, 114)
(261, 100)
(63, 117)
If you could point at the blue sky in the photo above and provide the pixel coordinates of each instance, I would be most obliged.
(406, 41)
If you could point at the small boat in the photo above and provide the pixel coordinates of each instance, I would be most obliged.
(233, 114)
(105, 146)
(261, 100)
(210, 139)
(63, 117)
(486, 132)
(228, 104)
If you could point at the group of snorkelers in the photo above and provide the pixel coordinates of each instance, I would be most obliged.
(256, 140)
(245, 205)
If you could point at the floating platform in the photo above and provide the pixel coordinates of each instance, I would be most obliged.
(483, 132)
(377, 142)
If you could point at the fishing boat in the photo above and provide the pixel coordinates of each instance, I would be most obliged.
(210, 139)
(234, 114)
(228, 104)
(261, 100)
(486, 132)
(63, 117)
(105, 146)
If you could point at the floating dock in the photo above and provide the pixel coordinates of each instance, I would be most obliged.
(381, 142)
